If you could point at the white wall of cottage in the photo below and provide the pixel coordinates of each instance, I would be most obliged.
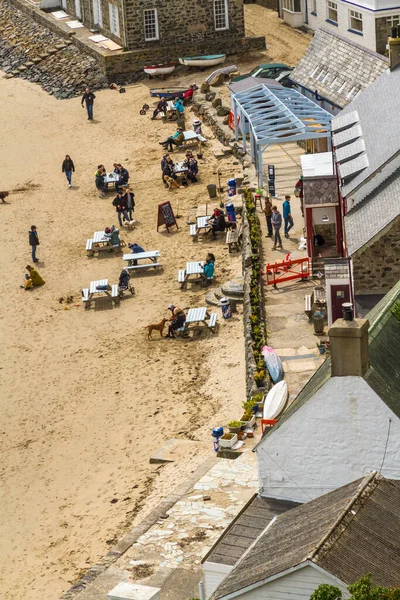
(337, 436)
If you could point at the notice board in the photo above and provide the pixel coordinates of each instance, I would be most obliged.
(166, 216)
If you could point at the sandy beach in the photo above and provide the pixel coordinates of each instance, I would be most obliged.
(85, 396)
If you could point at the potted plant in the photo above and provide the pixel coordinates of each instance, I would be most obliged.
(228, 440)
(235, 426)
(248, 419)
(259, 401)
(259, 378)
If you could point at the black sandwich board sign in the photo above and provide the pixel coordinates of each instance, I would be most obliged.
(166, 216)
(271, 180)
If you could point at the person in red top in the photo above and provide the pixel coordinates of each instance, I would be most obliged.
(189, 94)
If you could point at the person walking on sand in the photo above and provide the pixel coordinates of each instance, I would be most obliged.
(34, 242)
(268, 215)
(68, 168)
(277, 224)
(287, 216)
(88, 97)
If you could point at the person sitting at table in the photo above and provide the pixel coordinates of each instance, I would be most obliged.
(169, 176)
(178, 105)
(208, 271)
(192, 167)
(130, 203)
(99, 180)
(164, 161)
(136, 249)
(114, 237)
(161, 107)
(32, 278)
(120, 206)
(174, 140)
(217, 222)
(188, 95)
(177, 320)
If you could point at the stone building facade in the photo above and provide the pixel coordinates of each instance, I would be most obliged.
(156, 31)
(376, 266)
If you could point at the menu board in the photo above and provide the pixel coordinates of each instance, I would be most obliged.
(166, 216)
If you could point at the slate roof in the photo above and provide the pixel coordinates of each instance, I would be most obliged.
(377, 108)
(320, 190)
(383, 374)
(245, 529)
(343, 62)
(349, 532)
(370, 216)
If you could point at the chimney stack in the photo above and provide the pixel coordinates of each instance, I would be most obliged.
(349, 344)
(394, 48)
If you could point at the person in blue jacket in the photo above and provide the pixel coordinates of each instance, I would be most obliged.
(208, 269)
(178, 104)
(287, 216)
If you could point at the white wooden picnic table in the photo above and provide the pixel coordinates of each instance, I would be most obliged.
(202, 223)
(190, 136)
(133, 259)
(180, 167)
(88, 293)
(192, 269)
(99, 237)
(111, 178)
(197, 317)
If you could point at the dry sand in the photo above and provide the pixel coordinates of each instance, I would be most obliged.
(85, 397)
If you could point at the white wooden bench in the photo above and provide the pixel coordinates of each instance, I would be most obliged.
(193, 230)
(181, 275)
(308, 305)
(114, 291)
(89, 245)
(212, 323)
(85, 294)
(233, 238)
(143, 266)
(191, 136)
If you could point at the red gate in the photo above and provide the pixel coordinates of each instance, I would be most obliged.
(288, 270)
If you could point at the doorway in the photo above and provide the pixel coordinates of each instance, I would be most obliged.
(339, 294)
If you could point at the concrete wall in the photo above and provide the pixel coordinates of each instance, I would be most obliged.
(294, 19)
(319, 20)
(272, 4)
(337, 436)
(376, 266)
(298, 585)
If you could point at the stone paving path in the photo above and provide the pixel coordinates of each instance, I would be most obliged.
(194, 524)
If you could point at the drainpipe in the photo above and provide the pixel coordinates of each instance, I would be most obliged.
(124, 24)
(306, 12)
(202, 591)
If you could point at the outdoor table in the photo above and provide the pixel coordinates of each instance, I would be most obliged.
(202, 223)
(134, 259)
(192, 269)
(101, 240)
(196, 317)
(171, 110)
(111, 178)
(180, 167)
(87, 294)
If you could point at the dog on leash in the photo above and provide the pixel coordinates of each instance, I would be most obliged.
(156, 327)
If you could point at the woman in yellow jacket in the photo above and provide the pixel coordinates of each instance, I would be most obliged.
(33, 279)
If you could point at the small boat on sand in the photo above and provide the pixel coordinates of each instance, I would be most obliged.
(273, 363)
(208, 60)
(168, 93)
(154, 70)
(275, 400)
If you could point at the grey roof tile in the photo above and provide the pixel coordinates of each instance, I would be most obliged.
(350, 62)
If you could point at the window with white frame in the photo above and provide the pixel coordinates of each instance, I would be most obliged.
(355, 20)
(150, 24)
(221, 15)
(292, 5)
(332, 11)
(97, 13)
(392, 21)
(114, 19)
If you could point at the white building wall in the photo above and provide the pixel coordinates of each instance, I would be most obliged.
(298, 585)
(214, 573)
(368, 39)
(337, 436)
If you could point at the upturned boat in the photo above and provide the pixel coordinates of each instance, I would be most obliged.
(169, 93)
(208, 60)
(154, 70)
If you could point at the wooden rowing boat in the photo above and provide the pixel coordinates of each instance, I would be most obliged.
(168, 93)
(208, 60)
(273, 363)
(275, 400)
(154, 70)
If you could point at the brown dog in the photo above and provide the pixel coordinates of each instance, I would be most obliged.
(3, 196)
(156, 327)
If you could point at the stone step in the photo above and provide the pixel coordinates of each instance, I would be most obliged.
(21, 69)
(233, 288)
(36, 60)
(211, 298)
(52, 50)
(15, 73)
(29, 64)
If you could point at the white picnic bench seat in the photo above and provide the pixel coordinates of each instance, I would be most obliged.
(114, 291)
(181, 276)
(89, 244)
(308, 305)
(85, 294)
(212, 323)
(233, 238)
(193, 230)
(143, 266)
